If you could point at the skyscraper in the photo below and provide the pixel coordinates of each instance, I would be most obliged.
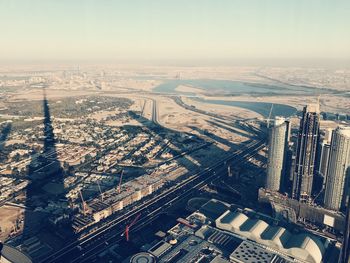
(278, 140)
(338, 169)
(323, 168)
(324, 149)
(306, 152)
(345, 252)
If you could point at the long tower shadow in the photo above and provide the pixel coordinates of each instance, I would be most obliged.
(45, 195)
(5, 131)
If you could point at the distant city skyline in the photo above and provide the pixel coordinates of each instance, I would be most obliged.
(205, 31)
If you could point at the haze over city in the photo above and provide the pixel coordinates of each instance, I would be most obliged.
(175, 131)
(175, 30)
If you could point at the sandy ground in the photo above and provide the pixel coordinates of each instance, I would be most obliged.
(145, 76)
(177, 118)
(101, 115)
(330, 78)
(133, 84)
(329, 103)
(8, 216)
(174, 117)
(37, 94)
(223, 110)
(186, 88)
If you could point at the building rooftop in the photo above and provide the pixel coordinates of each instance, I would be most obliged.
(279, 120)
(213, 209)
(344, 130)
(10, 254)
(249, 253)
(219, 259)
(191, 249)
(301, 246)
(313, 108)
(239, 236)
(143, 257)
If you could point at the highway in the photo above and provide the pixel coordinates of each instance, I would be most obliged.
(87, 246)
(179, 102)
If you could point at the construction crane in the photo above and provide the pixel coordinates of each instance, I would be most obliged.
(120, 182)
(99, 188)
(268, 120)
(83, 202)
(313, 200)
(127, 228)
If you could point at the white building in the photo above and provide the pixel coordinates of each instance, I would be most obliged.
(337, 185)
(303, 247)
(277, 151)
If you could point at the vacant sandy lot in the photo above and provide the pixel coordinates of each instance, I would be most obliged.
(329, 103)
(186, 88)
(8, 216)
(229, 111)
(37, 94)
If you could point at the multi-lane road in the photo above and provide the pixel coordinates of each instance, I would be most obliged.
(85, 248)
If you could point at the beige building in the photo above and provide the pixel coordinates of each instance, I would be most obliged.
(338, 173)
(277, 154)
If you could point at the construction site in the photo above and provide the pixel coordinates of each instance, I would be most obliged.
(114, 200)
(313, 216)
(220, 233)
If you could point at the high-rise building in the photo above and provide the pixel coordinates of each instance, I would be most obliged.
(278, 142)
(323, 167)
(337, 185)
(327, 137)
(345, 252)
(306, 152)
(323, 155)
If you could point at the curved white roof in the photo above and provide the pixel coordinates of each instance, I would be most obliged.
(237, 219)
(278, 235)
(304, 243)
(301, 246)
(259, 227)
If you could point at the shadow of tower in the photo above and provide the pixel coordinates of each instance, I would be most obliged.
(5, 131)
(45, 193)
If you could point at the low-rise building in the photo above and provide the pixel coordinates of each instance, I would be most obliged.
(238, 236)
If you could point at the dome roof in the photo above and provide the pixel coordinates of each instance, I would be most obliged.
(143, 257)
(12, 255)
(300, 246)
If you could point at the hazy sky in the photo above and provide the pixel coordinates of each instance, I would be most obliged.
(177, 29)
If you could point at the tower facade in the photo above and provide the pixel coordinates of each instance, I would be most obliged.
(337, 185)
(278, 139)
(325, 150)
(306, 153)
